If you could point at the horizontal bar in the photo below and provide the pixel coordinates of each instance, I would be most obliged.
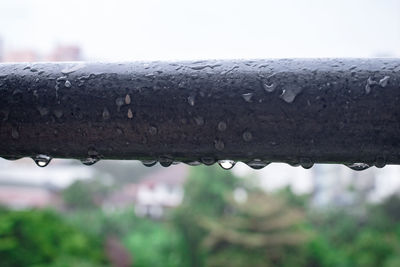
(298, 111)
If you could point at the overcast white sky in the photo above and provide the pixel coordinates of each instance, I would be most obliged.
(184, 29)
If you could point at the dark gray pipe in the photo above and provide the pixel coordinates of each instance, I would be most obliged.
(297, 111)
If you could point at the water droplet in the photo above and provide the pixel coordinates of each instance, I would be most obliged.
(106, 114)
(152, 130)
(247, 136)
(119, 102)
(306, 163)
(370, 83)
(205, 66)
(120, 131)
(130, 114)
(208, 160)
(226, 164)
(67, 84)
(127, 99)
(11, 157)
(269, 87)
(149, 162)
(17, 95)
(219, 145)
(380, 162)
(358, 166)
(222, 126)
(165, 161)
(58, 113)
(42, 160)
(199, 121)
(67, 71)
(191, 100)
(247, 97)
(5, 113)
(384, 81)
(14, 133)
(193, 163)
(289, 94)
(89, 160)
(294, 163)
(92, 152)
(257, 164)
(42, 110)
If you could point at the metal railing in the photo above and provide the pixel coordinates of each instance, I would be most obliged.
(256, 111)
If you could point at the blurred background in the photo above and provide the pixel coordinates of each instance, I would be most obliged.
(120, 213)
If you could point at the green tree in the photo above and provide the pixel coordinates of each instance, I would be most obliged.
(85, 194)
(261, 231)
(204, 196)
(41, 238)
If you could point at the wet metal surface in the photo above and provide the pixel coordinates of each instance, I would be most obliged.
(259, 111)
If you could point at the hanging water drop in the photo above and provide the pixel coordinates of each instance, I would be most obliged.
(149, 162)
(257, 164)
(208, 160)
(358, 166)
(226, 164)
(90, 161)
(193, 163)
(380, 162)
(165, 161)
(306, 163)
(42, 160)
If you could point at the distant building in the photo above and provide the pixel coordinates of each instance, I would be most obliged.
(65, 53)
(154, 194)
(1, 49)
(25, 196)
(24, 185)
(337, 185)
(59, 53)
(25, 55)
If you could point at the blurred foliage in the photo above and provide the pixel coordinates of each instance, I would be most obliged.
(85, 194)
(262, 228)
(155, 244)
(212, 227)
(205, 192)
(42, 238)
